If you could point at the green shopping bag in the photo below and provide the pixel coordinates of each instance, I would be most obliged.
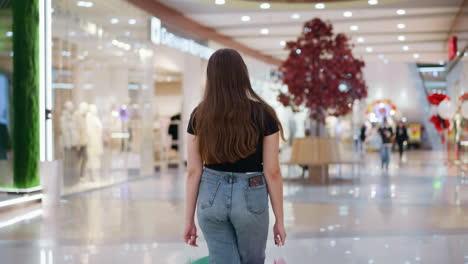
(200, 261)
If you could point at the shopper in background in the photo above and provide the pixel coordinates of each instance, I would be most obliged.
(362, 137)
(386, 134)
(233, 165)
(401, 135)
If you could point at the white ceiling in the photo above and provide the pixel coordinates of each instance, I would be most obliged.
(427, 25)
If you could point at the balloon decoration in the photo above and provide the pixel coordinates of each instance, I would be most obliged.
(447, 109)
(321, 72)
(442, 111)
(381, 109)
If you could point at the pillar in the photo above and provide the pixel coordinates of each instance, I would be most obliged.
(25, 94)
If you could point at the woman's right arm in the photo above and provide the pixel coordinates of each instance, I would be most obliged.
(274, 180)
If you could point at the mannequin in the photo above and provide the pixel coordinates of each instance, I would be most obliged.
(95, 147)
(82, 130)
(68, 132)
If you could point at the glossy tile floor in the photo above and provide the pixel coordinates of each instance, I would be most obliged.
(417, 212)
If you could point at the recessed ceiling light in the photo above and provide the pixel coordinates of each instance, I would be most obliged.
(283, 43)
(295, 16)
(347, 14)
(72, 33)
(369, 49)
(373, 2)
(401, 26)
(9, 34)
(320, 6)
(441, 62)
(220, 2)
(354, 28)
(84, 4)
(405, 48)
(360, 39)
(132, 21)
(114, 20)
(265, 5)
(245, 18)
(264, 31)
(298, 51)
(416, 55)
(401, 38)
(381, 56)
(401, 12)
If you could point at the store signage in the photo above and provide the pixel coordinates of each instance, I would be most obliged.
(160, 36)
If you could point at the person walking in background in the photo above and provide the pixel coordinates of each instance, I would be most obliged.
(233, 165)
(362, 137)
(386, 134)
(401, 135)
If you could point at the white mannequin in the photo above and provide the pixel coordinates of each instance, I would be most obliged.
(95, 144)
(70, 137)
(82, 129)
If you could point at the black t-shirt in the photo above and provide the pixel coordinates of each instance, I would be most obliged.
(252, 163)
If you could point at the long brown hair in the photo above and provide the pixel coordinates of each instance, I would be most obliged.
(230, 120)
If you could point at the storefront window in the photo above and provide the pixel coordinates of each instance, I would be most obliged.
(102, 92)
(6, 74)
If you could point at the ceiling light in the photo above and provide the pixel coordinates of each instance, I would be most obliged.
(401, 12)
(127, 34)
(71, 34)
(401, 38)
(114, 20)
(295, 16)
(320, 6)
(360, 39)
(369, 49)
(386, 61)
(354, 28)
(220, 2)
(9, 34)
(416, 55)
(441, 62)
(132, 21)
(373, 2)
(405, 48)
(264, 31)
(347, 14)
(298, 51)
(265, 6)
(283, 43)
(381, 56)
(401, 26)
(84, 4)
(245, 18)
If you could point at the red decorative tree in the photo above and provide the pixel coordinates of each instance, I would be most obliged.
(321, 72)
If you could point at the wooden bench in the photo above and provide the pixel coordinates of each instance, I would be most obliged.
(317, 154)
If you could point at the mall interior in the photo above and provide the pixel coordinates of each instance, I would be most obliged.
(96, 96)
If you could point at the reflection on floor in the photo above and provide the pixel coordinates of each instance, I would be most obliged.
(417, 212)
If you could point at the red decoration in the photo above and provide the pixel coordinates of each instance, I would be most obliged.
(321, 72)
(463, 97)
(439, 123)
(435, 98)
(452, 47)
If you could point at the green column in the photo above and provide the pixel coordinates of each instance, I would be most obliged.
(25, 93)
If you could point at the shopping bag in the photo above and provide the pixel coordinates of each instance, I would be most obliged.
(203, 260)
(279, 261)
(195, 257)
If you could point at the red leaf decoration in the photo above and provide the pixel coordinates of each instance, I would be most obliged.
(321, 72)
(439, 123)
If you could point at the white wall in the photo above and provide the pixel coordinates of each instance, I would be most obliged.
(393, 81)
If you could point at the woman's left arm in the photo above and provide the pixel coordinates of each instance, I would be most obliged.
(194, 171)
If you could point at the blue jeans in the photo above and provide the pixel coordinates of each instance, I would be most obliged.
(233, 217)
(385, 155)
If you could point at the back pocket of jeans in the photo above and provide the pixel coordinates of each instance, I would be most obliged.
(256, 199)
(207, 193)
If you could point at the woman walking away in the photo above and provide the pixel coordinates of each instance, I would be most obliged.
(401, 137)
(386, 134)
(233, 166)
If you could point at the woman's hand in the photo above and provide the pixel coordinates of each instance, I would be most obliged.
(190, 234)
(280, 234)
